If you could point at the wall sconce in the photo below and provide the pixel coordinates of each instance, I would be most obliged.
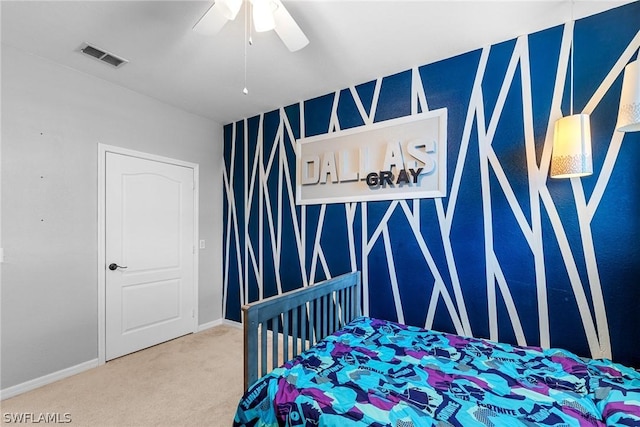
(571, 156)
(629, 111)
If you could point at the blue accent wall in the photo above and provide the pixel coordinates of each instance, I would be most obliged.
(510, 254)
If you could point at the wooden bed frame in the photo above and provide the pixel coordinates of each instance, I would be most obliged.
(301, 317)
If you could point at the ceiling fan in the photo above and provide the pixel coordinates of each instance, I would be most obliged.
(266, 14)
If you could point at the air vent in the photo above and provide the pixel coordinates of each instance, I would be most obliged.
(102, 55)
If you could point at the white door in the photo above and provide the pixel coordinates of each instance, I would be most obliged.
(149, 249)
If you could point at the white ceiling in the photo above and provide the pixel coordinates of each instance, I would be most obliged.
(351, 42)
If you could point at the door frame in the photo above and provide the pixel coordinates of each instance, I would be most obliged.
(103, 149)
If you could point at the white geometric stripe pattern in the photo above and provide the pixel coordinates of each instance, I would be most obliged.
(246, 249)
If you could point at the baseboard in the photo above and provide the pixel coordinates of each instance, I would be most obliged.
(47, 379)
(232, 323)
(73, 370)
(209, 325)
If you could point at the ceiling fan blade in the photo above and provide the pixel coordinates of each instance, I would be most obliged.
(211, 22)
(287, 29)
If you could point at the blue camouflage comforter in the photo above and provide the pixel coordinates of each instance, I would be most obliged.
(380, 373)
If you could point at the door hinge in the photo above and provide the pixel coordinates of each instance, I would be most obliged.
(193, 314)
(194, 249)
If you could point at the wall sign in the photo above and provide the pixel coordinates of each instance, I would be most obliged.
(402, 158)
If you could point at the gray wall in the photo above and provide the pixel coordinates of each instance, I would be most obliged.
(52, 121)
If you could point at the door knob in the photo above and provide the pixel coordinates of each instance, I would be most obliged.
(113, 266)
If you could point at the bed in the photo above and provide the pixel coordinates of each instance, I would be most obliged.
(344, 369)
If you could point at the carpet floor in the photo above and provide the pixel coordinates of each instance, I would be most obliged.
(195, 380)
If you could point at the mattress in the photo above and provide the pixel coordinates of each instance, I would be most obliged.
(380, 373)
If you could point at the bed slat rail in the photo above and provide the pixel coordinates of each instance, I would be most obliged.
(303, 317)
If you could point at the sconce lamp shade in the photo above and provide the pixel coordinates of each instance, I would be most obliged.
(571, 155)
(629, 112)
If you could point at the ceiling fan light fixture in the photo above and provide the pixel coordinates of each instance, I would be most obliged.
(263, 15)
(230, 8)
(267, 15)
